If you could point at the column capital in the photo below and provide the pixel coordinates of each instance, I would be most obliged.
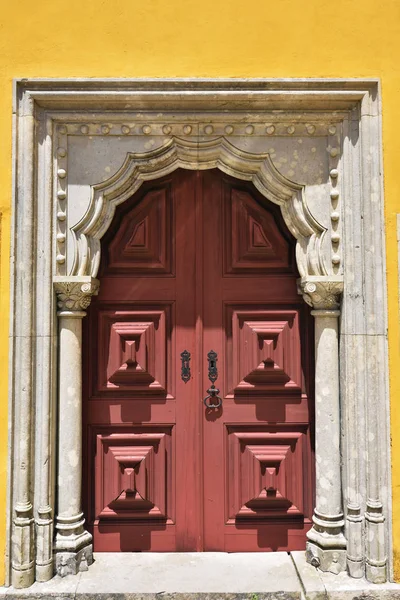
(74, 294)
(322, 293)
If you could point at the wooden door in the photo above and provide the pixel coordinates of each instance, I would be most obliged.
(257, 453)
(197, 262)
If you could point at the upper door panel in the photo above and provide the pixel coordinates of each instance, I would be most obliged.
(143, 243)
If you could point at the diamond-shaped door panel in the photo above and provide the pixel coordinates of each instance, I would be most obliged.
(134, 475)
(253, 241)
(265, 473)
(263, 350)
(133, 350)
(143, 243)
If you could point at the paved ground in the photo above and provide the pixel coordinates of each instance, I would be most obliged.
(204, 576)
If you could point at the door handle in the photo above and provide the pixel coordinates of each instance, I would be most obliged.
(212, 400)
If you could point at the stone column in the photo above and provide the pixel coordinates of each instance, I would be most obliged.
(326, 546)
(73, 544)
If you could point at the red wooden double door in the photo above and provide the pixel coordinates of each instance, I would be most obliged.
(194, 263)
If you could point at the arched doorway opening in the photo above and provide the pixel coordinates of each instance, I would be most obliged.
(198, 289)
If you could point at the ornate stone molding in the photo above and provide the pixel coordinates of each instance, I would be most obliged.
(209, 118)
(75, 293)
(322, 293)
(227, 125)
(209, 154)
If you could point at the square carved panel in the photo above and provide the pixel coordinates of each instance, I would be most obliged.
(133, 475)
(133, 350)
(263, 350)
(265, 473)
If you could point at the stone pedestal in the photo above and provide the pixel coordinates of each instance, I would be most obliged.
(73, 544)
(23, 562)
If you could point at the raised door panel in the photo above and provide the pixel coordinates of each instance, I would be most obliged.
(134, 346)
(135, 475)
(265, 467)
(262, 350)
(253, 243)
(143, 243)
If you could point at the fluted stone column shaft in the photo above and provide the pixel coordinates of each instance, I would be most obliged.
(73, 544)
(326, 545)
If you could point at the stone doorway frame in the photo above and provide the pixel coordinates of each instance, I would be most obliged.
(344, 280)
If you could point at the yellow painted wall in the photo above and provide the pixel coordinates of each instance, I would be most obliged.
(211, 38)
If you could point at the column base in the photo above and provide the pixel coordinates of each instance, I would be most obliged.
(23, 577)
(355, 568)
(23, 553)
(70, 563)
(375, 563)
(44, 544)
(73, 553)
(332, 560)
(376, 573)
(355, 546)
(326, 544)
(44, 572)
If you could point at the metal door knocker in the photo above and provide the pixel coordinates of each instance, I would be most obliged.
(212, 400)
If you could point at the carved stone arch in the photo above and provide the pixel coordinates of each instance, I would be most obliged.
(181, 153)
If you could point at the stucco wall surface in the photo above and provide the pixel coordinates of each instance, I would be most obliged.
(229, 38)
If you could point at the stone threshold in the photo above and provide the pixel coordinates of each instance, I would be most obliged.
(204, 576)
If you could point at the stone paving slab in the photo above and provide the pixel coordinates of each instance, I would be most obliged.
(194, 573)
(320, 586)
(204, 576)
(191, 576)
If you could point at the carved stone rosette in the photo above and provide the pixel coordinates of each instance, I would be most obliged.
(326, 546)
(73, 544)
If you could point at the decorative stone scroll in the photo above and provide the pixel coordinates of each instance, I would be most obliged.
(322, 293)
(74, 293)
